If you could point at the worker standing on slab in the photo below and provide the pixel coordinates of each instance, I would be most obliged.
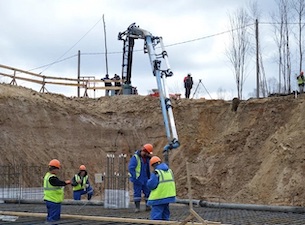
(53, 191)
(139, 174)
(81, 184)
(163, 189)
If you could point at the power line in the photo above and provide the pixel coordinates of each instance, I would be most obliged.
(139, 50)
(49, 65)
(209, 36)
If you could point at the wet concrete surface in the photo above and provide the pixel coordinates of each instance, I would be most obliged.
(178, 213)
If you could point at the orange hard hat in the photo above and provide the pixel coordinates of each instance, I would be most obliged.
(55, 163)
(148, 148)
(82, 167)
(153, 160)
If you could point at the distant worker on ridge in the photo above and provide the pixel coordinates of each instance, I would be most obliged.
(107, 84)
(301, 82)
(188, 84)
(81, 184)
(53, 191)
(117, 83)
(163, 189)
(139, 174)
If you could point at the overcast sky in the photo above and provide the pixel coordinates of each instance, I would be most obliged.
(35, 33)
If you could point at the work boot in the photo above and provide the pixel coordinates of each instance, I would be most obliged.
(148, 208)
(137, 209)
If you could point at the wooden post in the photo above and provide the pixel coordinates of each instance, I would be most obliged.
(13, 82)
(193, 214)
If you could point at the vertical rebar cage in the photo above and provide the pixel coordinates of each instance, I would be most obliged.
(116, 182)
(19, 182)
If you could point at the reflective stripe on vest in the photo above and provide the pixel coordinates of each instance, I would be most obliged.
(138, 168)
(82, 185)
(166, 187)
(52, 193)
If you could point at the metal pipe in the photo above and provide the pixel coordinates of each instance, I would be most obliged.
(271, 208)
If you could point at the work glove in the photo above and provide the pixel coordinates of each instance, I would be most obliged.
(68, 181)
(87, 185)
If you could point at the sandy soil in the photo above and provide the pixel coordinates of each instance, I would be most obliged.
(253, 155)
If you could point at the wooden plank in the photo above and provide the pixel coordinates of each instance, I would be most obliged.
(104, 88)
(99, 218)
(19, 70)
(58, 78)
(22, 78)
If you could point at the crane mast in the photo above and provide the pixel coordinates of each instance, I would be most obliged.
(151, 43)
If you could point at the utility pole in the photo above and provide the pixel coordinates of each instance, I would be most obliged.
(257, 59)
(78, 75)
(106, 58)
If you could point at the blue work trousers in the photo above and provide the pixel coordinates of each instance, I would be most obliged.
(54, 210)
(160, 212)
(137, 192)
(78, 194)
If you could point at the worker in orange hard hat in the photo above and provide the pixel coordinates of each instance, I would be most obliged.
(139, 174)
(53, 191)
(163, 189)
(81, 184)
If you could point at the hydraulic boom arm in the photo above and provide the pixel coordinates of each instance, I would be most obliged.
(150, 44)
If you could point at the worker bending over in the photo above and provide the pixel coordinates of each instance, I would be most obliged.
(53, 191)
(81, 184)
(163, 189)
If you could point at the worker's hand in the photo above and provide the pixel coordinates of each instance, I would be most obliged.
(79, 181)
(87, 185)
(68, 181)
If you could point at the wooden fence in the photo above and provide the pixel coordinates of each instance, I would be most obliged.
(85, 82)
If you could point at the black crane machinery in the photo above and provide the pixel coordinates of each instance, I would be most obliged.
(151, 43)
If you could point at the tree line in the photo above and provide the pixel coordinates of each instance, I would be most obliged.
(287, 21)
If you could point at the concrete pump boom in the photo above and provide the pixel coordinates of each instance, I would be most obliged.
(150, 44)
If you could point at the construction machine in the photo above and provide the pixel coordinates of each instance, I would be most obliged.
(151, 43)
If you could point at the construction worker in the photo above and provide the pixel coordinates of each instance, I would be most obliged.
(188, 84)
(139, 174)
(107, 84)
(163, 189)
(81, 184)
(53, 191)
(301, 82)
(117, 83)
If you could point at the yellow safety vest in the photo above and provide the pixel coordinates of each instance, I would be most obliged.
(166, 187)
(138, 168)
(82, 185)
(52, 193)
(300, 79)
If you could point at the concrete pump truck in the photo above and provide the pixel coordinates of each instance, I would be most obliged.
(150, 44)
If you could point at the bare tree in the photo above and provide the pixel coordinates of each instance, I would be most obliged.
(299, 8)
(272, 85)
(239, 47)
(221, 93)
(262, 88)
(282, 37)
